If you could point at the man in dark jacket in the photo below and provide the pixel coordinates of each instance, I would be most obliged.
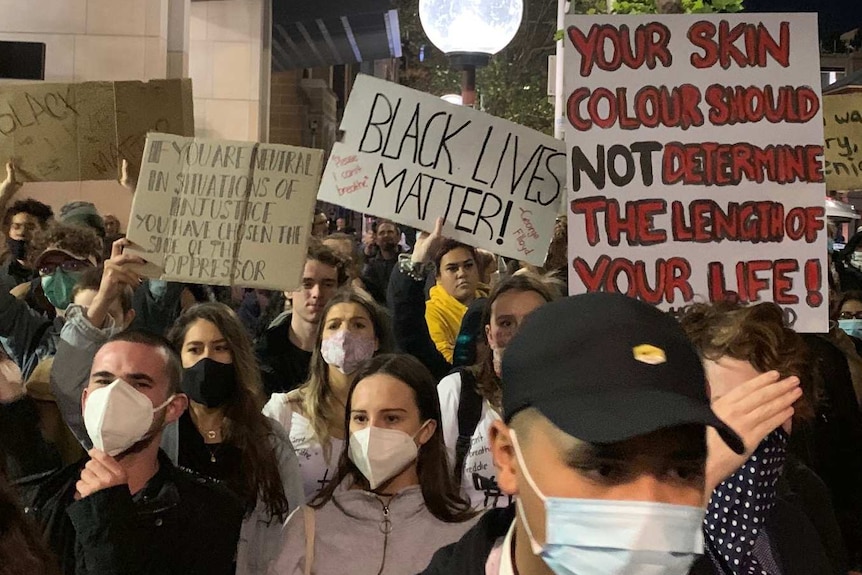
(133, 512)
(379, 267)
(284, 350)
(603, 443)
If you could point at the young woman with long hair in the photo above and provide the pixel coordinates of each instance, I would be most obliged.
(511, 300)
(392, 503)
(354, 328)
(225, 436)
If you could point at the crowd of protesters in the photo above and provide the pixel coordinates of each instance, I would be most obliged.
(414, 405)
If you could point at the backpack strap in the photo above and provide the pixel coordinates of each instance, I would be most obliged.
(308, 518)
(469, 414)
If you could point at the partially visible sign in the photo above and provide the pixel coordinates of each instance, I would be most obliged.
(73, 132)
(842, 120)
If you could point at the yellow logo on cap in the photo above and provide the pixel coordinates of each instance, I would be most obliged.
(650, 354)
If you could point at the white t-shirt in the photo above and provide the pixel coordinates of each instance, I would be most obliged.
(315, 469)
(479, 477)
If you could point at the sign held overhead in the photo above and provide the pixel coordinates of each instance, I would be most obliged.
(220, 212)
(411, 157)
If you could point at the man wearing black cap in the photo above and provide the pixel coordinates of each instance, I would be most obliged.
(603, 443)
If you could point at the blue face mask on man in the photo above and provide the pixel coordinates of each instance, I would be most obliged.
(609, 537)
(852, 327)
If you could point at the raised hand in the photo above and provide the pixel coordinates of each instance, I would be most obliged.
(754, 410)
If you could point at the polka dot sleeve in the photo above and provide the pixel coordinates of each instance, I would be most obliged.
(738, 509)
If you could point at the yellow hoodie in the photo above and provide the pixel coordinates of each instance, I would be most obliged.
(443, 314)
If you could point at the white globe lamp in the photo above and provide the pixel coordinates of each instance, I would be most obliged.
(470, 32)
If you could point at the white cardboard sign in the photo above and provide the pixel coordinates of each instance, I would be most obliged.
(411, 157)
(695, 145)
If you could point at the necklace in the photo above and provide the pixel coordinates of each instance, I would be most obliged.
(213, 433)
(213, 451)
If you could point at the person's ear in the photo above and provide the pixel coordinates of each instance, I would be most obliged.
(427, 432)
(175, 409)
(84, 396)
(376, 344)
(488, 336)
(128, 318)
(505, 460)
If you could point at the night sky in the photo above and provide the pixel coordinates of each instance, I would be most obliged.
(835, 15)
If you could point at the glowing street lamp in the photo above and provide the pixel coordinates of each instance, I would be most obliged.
(470, 32)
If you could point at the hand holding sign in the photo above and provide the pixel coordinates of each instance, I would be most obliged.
(118, 275)
(428, 244)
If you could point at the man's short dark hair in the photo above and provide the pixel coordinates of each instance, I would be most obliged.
(92, 280)
(447, 247)
(378, 223)
(174, 365)
(327, 256)
(42, 212)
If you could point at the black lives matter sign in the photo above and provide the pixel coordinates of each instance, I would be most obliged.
(694, 155)
(411, 157)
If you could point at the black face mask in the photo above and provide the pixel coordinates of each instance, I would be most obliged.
(210, 382)
(18, 248)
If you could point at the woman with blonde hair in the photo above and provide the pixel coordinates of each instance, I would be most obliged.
(225, 436)
(353, 329)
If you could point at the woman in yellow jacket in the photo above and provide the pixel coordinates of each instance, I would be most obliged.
(457, 286)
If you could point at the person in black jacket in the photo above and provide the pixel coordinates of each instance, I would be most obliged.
(126, 509)
(604, 444)
(284, 349)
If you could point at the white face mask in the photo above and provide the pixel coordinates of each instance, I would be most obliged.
(608, 537)
(117, 416)
(381, 454)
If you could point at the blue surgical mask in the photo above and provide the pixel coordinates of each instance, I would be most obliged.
(851, 327)
(607, 537)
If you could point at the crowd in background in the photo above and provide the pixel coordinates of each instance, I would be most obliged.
(390, 416)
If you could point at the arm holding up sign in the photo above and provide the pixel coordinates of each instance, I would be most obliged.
(8, 187)
(86, 329)
(406, 297)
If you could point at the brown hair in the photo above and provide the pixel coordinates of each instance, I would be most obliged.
(173, 364)
(91, 279)
(21, 549)
(852, 295)
(450, 245)
(488, 385)
(441, 496)
(81, 241)
(245, 427)
(756, 334)
(315, 395)
(320, 253)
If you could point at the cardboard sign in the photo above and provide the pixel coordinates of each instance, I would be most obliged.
(695, 147)
(224, 213)
(74, 132)
(842, 120)
(411, 157)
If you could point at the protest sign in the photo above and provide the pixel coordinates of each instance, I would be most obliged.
(74, 132)
(695, 147)
(224, 213)
(412, 157)
(842, 121)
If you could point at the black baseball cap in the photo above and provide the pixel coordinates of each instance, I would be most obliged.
(604, 368)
